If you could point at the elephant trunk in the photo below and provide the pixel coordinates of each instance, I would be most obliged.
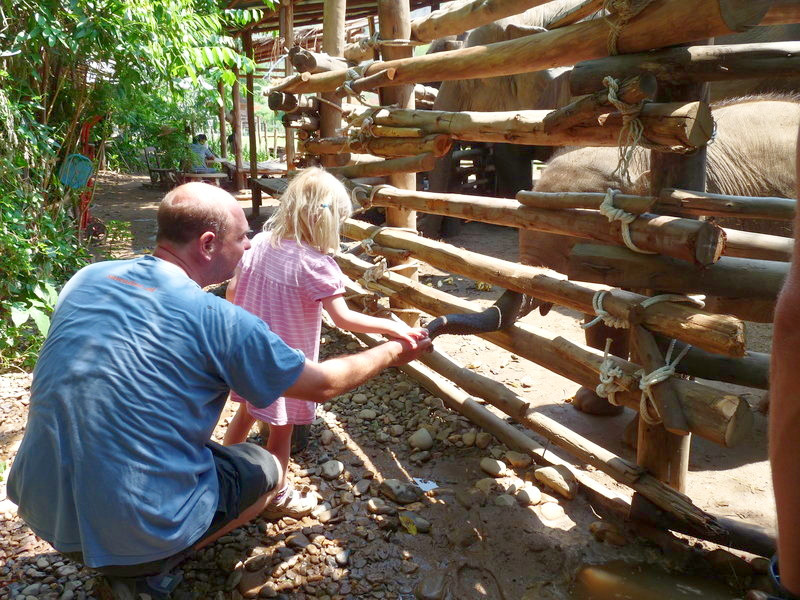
(510, 307)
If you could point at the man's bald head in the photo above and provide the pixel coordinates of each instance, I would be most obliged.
(190, 210)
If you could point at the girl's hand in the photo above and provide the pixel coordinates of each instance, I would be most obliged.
(401, 331)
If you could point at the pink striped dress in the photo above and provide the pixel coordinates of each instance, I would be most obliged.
(284, 286)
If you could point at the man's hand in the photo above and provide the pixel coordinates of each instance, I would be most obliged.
(412, 350)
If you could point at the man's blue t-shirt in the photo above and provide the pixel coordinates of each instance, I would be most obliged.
(127, 390)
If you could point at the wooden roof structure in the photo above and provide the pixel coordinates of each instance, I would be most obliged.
(309, 12)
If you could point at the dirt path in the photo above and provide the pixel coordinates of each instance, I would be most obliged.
(357, 546)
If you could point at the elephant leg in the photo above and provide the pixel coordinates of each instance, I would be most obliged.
(586, 400)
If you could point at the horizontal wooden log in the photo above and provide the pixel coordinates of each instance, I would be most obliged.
(360, 159)
(575, 14)
(729, 277)
(744, 244)
(696, 204)
(587, 108)
(689, 20)
(365, 84)
(684, 203)
(457, 18)
(679, 66)
(716, 333)
(437, 145)
(685, 239)
(359, 50)
(684, 125)
(710, 413)
(384, 168)
(757, 310)
(299, 121)
(306, 61)
(751, 370)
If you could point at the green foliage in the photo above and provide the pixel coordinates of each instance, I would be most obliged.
(148, 66)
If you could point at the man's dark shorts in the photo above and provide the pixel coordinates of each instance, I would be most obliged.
(245, 473)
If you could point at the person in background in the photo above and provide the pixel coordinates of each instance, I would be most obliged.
(784, 422)
(117, 468)
(287, 278)
(201, 155)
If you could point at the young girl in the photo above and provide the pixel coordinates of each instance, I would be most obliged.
(287, 278)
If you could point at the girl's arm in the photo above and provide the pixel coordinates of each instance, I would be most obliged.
(351, 320)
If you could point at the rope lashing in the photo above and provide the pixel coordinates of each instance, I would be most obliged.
(621, 323)
(622, 11)
(366, 204)
(647, 406)
(368, 242)
(602, 314)
(374, 273)
(632, 131)
(351, 75)
(612, 213)
(609, 374)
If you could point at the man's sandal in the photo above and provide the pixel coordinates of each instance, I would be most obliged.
(290, 502)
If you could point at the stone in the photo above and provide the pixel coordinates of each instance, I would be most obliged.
(529, 495)
(558, 478)
(360, 398)
(492, 466)
(367, 414)
(327, 437)
(332, 469)
(233, 579)
(298, 541)
(483, 439)
(470, 497)
(420, 457)
(227, 559)
(342, 558)
(607, 532)
(397, 430)
(552, 511)
(505, 500)
(486, 485)
(420, 524)
(402, 493)
(421, 440)
(361, 487)
(431, 587)
(377, 506)
(257, 562)
(518, 460)
(468, 439)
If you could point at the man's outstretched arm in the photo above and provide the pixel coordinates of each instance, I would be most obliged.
(322, 381)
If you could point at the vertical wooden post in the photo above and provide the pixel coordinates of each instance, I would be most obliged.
(394, 22)
(223, 134)
(275, 142)
(255, 191)
(330, 119)
(286, 26)
(372, 29)
(665, 454)
(238, 178)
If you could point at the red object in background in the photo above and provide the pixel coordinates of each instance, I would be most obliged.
(88, 150)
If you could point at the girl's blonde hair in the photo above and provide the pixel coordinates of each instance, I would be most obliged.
(311, 211)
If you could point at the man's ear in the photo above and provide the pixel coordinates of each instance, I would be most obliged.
(207, 243)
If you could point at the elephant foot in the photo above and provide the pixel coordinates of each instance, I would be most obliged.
(588, 402)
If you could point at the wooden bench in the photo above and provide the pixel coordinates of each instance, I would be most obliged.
(160, 176)
(212, 178)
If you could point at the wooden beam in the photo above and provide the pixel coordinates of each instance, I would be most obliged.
(238, 176)
(575, 14)
(716, 333)
(692, 241)
(332, 44)
(714, 415)
(744, 244)
(223, 139)
(460, 17)
(384, 168)
(694, 63)
(438, 145)
(286, 23)
(689, 20)
(255, 191)
(683, 125)
(684, 203)
(306, 61)
(729, 277)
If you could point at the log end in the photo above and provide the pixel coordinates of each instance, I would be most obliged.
(701, 128)
(441, 145)
(709, 244)
(740, 421)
